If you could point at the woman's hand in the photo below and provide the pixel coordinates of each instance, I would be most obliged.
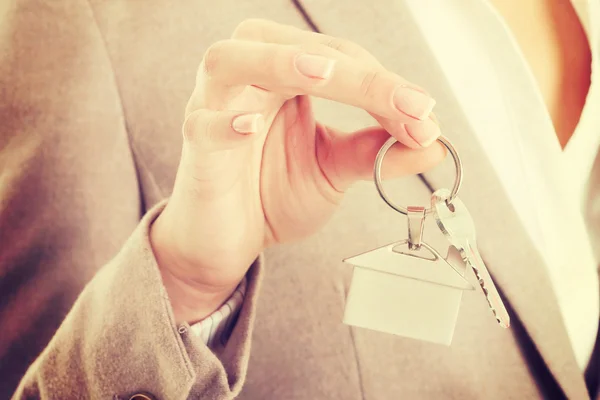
(256, 169)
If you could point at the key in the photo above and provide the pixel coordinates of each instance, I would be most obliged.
(457, 225)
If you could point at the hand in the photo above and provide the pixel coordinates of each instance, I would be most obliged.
(256, 169)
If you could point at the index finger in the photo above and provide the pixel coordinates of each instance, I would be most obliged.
(413, 134)
(317, 71)
(272, 32)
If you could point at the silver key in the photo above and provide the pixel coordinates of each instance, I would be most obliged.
(457, 225)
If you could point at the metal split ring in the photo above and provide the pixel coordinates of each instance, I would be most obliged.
(379, 185)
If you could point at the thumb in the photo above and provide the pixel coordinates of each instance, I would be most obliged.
(348, 157)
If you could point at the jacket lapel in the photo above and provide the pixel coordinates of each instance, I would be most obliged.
(511, 256)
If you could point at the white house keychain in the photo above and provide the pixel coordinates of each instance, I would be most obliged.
(408, 288)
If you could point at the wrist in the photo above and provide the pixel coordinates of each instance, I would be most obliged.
(192, 297)
(191, 301)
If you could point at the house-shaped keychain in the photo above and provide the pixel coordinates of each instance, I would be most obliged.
(412, 293)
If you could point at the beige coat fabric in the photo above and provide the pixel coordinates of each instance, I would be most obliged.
(91, 105)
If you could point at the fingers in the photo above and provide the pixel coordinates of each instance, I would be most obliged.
(346, 158)
(414, 134)
(210, 131)
(321, 72)
(261, 30)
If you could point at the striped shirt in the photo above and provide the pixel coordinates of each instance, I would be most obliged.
(217, 327)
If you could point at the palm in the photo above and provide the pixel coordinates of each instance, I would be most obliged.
(296, 197)
(271, 190)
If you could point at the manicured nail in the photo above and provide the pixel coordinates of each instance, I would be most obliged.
(248, 123)
(314, 66)
(413, 102)
(424, 133)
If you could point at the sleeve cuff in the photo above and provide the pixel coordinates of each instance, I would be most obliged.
(120, 337)
(216, 328)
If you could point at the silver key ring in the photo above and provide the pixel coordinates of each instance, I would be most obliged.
(379, 161)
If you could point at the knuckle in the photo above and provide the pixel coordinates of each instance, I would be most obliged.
(338, 44)
(210, 128)
(189, 129)
(197, 127)
(368, 82)
(316, 48)
(202, 129)
(249, 28)
(276, 66)
(212, 57)
(351, 49)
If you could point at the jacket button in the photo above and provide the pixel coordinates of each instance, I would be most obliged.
(141, 396)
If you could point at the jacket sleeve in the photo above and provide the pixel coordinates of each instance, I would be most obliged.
(69, 199)
(120, 339)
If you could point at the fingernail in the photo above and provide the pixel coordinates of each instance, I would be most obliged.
(314, 66)
(413, 102)
(248, 123)
(424, 133)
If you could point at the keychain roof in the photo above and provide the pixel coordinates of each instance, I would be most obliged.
(427, 264)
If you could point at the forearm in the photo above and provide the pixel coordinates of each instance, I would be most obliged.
(121, 338)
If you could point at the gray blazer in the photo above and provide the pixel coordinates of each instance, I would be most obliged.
(91, 103)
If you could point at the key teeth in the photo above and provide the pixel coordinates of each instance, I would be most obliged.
(485, 290)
